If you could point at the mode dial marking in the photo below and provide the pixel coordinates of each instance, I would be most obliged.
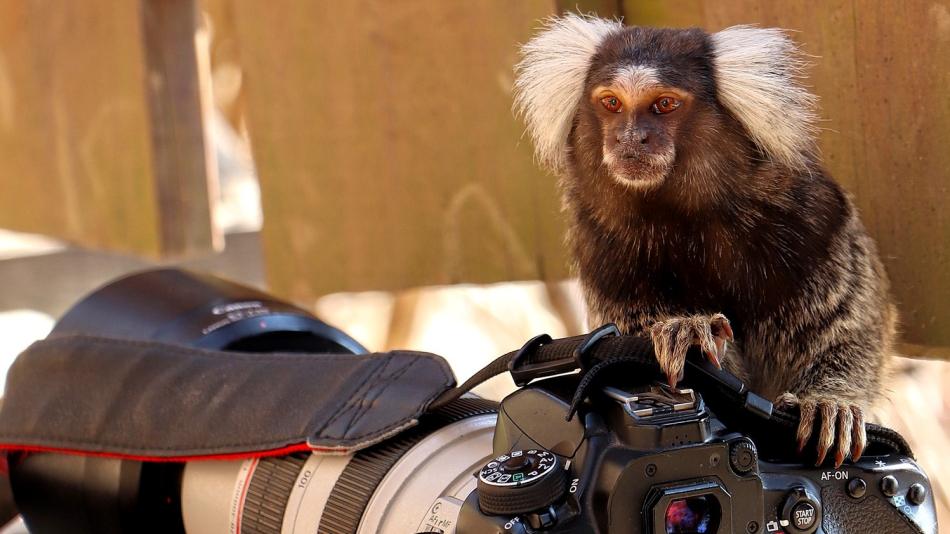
(521, 482)
(518, 468)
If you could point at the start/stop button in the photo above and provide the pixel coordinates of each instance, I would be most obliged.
(804, 515)
(802, 511)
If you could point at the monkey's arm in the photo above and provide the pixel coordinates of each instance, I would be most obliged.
(838, 348)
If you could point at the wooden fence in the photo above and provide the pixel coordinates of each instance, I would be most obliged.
(387, 153)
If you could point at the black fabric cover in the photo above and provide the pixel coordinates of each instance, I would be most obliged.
(145, 399)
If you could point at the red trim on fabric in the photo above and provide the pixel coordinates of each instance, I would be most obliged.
(282, 451)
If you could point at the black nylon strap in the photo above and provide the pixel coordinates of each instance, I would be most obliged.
(727, 396)
(630, 349)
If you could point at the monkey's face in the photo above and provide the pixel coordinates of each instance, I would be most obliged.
(638, 117)
(671, 118)
(644, 92)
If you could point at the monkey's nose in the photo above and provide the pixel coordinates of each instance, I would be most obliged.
(634, 135)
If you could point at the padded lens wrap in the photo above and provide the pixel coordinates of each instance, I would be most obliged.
(147, 400)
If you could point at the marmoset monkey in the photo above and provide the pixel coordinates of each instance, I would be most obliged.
(698, 208)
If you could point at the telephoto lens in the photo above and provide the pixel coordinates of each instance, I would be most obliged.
(400, 485)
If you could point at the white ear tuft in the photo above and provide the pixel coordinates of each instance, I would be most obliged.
(759, 72)
(550, 80)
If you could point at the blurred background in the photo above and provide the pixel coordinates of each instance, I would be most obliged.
(360, 158)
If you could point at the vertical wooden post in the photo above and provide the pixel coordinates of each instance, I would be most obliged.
(179, 97)
(102, 139)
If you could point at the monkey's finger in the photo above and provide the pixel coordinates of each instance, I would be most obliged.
(672, 365)
(859, 434)
(665, 337)
(720, 345)
(709, 344)
(828, 411)
(713, 358)
(721, 326)
(845, 429)
(807, 420)
(786, 400)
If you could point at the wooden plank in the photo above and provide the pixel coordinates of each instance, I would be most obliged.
(79, 161)
(386, 147)
(903, 72)
(180, 104)
(881, 71)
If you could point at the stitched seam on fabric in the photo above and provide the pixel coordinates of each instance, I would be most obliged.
(449, 379)
(364, 402)
(341, 407)
(368, 403)
(354, 401)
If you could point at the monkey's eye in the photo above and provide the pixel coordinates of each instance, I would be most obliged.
(666, 104)
(612, 104)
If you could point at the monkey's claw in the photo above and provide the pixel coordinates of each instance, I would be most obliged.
(840, 426)
(673, 337)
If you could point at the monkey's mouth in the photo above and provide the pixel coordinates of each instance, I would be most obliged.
(639, 171)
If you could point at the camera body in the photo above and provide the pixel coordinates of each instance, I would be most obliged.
(648, 460)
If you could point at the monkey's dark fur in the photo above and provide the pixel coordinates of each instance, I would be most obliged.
(714, 208)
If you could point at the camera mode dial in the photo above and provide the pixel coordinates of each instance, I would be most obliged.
(520, 482)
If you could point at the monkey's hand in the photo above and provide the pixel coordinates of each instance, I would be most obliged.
(840, 425)
(673, 337)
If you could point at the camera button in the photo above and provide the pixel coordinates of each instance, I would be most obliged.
(802, 511)
(890, 486)
(917, 494)
(804, 516)
(857, 488)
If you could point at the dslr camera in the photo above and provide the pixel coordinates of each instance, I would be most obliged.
(567, 452)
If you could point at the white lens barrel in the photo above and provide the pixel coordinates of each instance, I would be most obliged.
(289, 495)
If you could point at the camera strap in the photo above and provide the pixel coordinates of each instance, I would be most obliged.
(604, 349)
